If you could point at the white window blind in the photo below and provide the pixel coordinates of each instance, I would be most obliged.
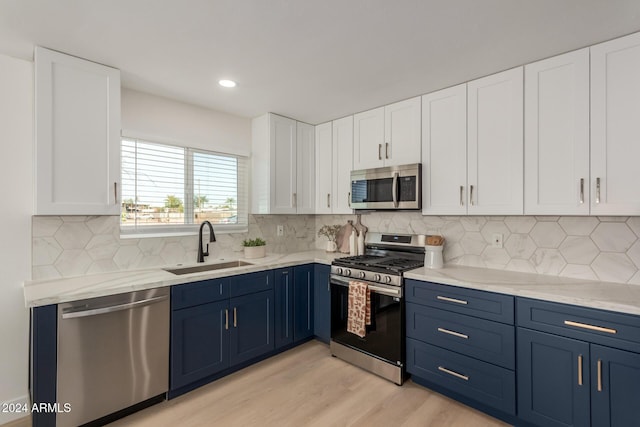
(172, 189)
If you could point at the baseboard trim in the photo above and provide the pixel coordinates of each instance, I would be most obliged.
(15, 418)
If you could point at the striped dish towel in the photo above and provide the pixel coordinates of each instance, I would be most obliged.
(359, 308)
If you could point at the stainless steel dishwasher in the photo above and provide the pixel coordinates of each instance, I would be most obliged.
(113, 352)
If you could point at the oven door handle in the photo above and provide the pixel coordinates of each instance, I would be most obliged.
(389, 291)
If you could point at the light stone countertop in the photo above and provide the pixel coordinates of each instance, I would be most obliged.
(55, 291)
(618, 297)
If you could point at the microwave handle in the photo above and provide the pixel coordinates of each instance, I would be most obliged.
(394, 190)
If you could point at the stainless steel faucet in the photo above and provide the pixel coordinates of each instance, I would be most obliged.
(212, 238)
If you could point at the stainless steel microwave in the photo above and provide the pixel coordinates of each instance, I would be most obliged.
(393, 187)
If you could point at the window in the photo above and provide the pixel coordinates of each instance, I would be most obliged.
(172, 189)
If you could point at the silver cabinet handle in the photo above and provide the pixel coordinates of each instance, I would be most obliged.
(115, 192)
(599, 375)
(457, 301)
(454, 333)
(581, 190)
(590, 327)
(379, 151)
(461, 197)
(328, 200)
(295, 200)
(235, 317)
(349, 199)
(386, 150)
(113, 308)
(226, 319)
(597, 190)
(580, 370)
(454, 373)
(471, 195)
(394, 189)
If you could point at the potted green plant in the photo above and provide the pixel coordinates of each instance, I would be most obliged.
(254, 248)
(330, 232)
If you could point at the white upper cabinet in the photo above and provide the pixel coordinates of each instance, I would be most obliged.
(556, 96)
(305, 199)
(615, 127)
(324, 168)
(282, 166)
(444, 152)
(342, 147)
(387, 136)
(495, 144)
(77, 150)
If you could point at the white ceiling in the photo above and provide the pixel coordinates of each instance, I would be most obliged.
(313, 60)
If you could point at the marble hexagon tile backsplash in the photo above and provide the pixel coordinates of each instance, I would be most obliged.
(598, 248)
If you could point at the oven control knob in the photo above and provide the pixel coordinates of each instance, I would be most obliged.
(387, 279)
(377, 278)
(347, 272)
(339, 271)
(361, 274)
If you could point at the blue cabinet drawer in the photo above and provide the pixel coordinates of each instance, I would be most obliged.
(486, 383)
(485, 305)
(192, 294)
(251, 283)
(490, 341)
(596, 326)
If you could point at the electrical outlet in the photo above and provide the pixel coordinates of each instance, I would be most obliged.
(280, 230)
(496, 240)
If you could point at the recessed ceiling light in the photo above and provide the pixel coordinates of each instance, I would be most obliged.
(227, 83)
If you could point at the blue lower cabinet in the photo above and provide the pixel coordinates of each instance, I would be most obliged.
(553, 379)
(322, 303)
(199, 342)
(303, 302)
(252, 319)
(283, 293)
(615, 387)
(483, 382)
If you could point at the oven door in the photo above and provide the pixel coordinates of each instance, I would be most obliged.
(384, 338)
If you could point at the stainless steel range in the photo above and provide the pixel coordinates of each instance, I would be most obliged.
(382, 349)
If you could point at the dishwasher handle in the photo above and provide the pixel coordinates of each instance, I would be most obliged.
(113, 308)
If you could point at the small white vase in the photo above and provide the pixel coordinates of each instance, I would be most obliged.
(255, 251)
(332, 246)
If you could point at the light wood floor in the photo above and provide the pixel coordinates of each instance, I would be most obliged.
(307, 387)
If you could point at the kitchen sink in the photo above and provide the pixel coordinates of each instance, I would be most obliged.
(207, 267)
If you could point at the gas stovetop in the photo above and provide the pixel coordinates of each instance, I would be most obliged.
(380, 263)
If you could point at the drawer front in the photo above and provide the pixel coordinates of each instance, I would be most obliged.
(486, 305)
(251, 283)
(482, 339)
(192, 294)
(588, 324)
(488, 384)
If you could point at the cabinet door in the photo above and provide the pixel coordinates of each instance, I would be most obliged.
(553, 379)
(556, 137)
(342, 165)
(305, 196)
(615, 387)
(303, 302)
(368, 139)
(615, 128)
(495, 147)
(283, 164)
(252, 332)
(199, 342)
(77, 136)
(402, 138)
(444, 153)
(283, 306)
(322, 303)
(324, 169)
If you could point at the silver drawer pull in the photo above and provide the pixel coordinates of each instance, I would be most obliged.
(455, 374)
(590, 327)
(457, 301)
(454, 333)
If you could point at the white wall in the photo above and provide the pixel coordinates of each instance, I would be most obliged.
(165, 120)
(16, 147)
